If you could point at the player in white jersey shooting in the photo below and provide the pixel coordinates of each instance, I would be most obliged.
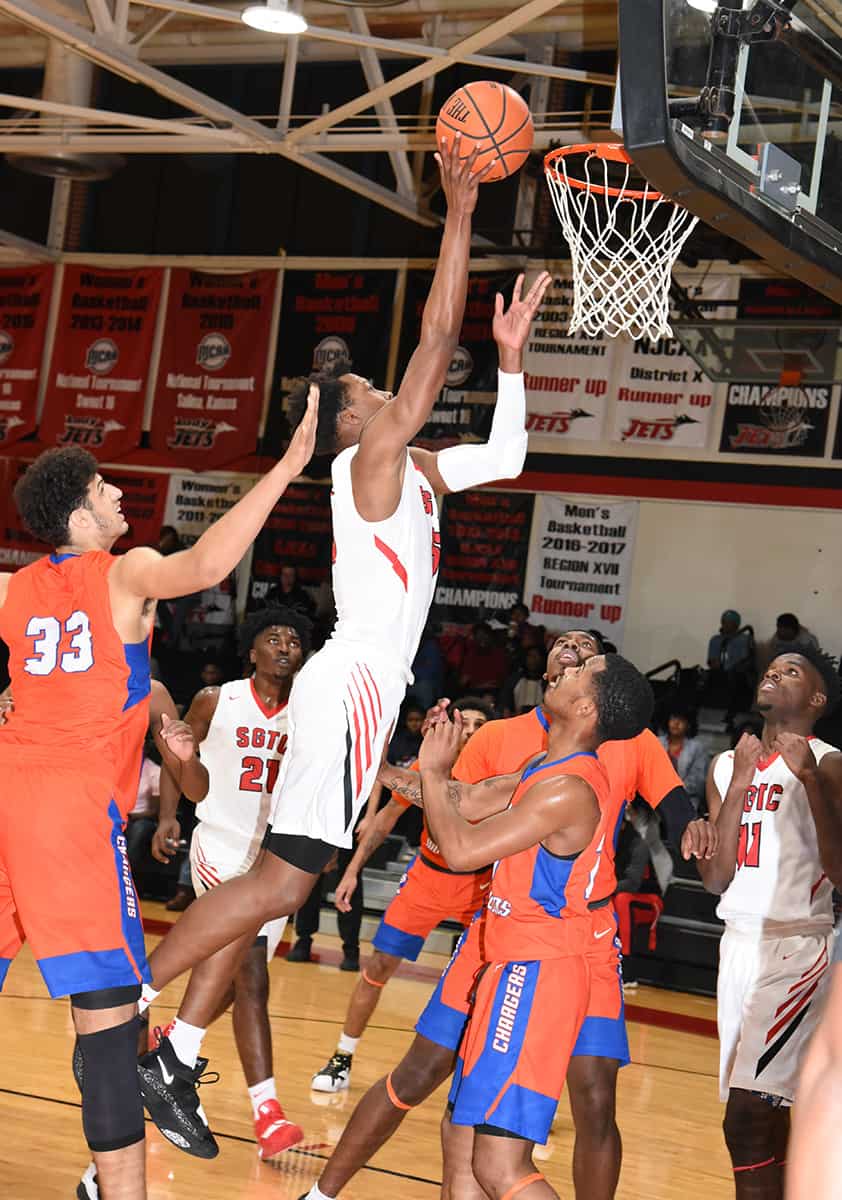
(777, 804)
(347, 697)
(241, 730)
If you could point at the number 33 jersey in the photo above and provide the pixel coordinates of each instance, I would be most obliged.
(242, 752)
(779, 887)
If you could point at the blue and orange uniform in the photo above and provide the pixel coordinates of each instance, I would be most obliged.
(70, 758)
(639, 765)
(535, 931)
(428, 893)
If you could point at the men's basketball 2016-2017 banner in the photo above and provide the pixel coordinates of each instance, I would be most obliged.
(212, 374)
(24, 302)
(99, 369)
(580, 562)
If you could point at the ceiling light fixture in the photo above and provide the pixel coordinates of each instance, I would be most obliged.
(275, 16)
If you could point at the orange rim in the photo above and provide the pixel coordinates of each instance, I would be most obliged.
(610, 152)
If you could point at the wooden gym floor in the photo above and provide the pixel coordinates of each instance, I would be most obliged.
(668, 1109)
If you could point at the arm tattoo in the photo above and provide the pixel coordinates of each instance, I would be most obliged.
(413, 793)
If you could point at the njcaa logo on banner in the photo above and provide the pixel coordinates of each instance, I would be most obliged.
(87, 431)
(330, 350)
(197, 433)
(213, 352)
(102, 356)
(7, 346)
(460, 369)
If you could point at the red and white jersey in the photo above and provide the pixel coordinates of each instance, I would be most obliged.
(242, 752)
(779, 887)
(384, 572)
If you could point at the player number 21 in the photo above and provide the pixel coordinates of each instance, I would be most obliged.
(47, 633)
(251, 779)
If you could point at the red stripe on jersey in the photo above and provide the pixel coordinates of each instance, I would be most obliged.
(395, 563)
(365, 722)
(367, 672)
(357, 758)
(817, 885)
(793, 1012)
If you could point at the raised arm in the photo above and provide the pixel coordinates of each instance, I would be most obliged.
(503, 455)
(384, 439)
(823, 785)
(145, 573)
(726, 814)
(474, 801)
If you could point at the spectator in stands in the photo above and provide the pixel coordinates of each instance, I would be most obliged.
(789, 635)
(212, 673)
(428, 669)
(518, 620)
(731, 670)
(485, 664)
(632, 864)
(687, 752)
(349, 923)
(526, 688)
(406, 740)
(289, 593)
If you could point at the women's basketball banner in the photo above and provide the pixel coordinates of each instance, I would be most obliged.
(580, 563)
(24, 301)
(457, 415)
(567, 378)
(96, 383)
(212, 374)
(297, 534)
(484, 543)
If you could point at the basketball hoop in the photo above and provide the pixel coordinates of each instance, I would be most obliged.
(784, 406)
(623, 241)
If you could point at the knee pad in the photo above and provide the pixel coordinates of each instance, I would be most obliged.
(112, 1110)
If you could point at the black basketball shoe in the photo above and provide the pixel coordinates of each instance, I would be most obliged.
(169, 1090)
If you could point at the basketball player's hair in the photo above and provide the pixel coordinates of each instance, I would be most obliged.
(264, 618)
(827, 668)
(333, 397)
(53, 487)
(597, 637)
(624, 700)
(475, 704)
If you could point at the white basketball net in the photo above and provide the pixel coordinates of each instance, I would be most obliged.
(623, 249)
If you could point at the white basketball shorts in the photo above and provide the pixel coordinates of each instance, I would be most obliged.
(342, 709)
(208, 867)
(770, 995)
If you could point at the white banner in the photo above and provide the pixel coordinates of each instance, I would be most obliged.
(660, 394)
(580, 561)
(194, 502)
(567, 378)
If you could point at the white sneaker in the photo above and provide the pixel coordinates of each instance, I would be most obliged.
(88, 1188)
(335, 1076)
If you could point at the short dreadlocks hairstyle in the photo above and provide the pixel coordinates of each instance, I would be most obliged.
(333, 397)
(826, 666)
(53, 487)
(624, 700)
(264, 618)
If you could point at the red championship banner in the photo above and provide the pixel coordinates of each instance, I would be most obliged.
(24, 301)
(144, 498)
(100, 363)
(209, 391)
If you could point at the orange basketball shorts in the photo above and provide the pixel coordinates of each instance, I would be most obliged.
(426, 896)
(65, 882)
(513, 1062)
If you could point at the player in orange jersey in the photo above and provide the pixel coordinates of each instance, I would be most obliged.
(428, 893)
(500, 747)
(77, 624)
(547, 841)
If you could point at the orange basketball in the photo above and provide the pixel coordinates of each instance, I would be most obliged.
(493, 117)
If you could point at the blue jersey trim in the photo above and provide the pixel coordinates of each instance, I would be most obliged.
(542, 766)
(390, 940)
(5, 963)
(542, 719)
(139, 683)
(60, 558)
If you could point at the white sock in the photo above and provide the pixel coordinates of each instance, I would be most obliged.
(260, 1093)
(347, 1045)
(148, 996)
(315, 1193)
(186, 1040)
